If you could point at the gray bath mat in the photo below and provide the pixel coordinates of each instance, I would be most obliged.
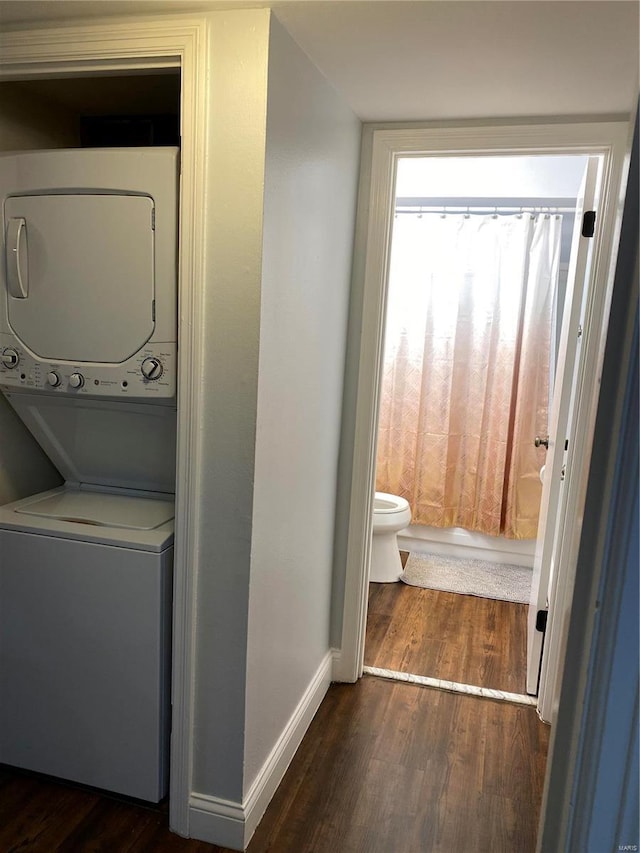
(469, 577)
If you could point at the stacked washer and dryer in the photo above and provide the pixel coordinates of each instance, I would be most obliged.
(88, 354)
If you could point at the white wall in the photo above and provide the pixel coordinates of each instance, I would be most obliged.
(26, 123)
(491, 177)
(311, 178)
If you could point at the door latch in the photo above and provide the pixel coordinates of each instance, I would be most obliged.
(588, 223)
(541, 620)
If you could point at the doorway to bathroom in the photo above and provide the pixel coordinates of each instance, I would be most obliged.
(479, 263)
(580, 353)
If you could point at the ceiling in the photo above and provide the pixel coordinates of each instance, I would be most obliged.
(402, 60)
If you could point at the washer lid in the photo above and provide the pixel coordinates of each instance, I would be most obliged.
(101, 509)
(104, 442)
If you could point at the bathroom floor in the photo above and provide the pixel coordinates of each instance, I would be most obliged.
(461, 638)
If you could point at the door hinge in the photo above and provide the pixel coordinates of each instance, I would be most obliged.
(541, 620)
(579, 331)
(588, 223)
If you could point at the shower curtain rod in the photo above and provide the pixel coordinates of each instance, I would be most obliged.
(487, 209)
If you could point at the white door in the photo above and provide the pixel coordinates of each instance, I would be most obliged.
(553, 525)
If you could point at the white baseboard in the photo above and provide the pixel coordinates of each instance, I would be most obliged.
(345, 671)
(467, 544)
(231, 824)
(217, 821)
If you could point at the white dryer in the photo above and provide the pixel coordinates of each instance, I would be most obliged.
(88, 345)
(88, 306)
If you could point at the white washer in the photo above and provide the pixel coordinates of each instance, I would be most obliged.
(85, 598)
(88, 347)
(85, 619)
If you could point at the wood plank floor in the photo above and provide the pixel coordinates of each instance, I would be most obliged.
(403, 769)
(446, 635)
(384, 768)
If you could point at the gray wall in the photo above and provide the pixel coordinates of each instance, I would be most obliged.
(311, 178)
(237, 91)
(282, 177)
(26, 122)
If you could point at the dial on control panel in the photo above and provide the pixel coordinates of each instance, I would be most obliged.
(152, 368)
(76, 380)
(10, 357)
(53, 379)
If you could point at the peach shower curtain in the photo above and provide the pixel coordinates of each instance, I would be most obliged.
(466, 368)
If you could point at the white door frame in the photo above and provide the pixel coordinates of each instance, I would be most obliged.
(382, 146)
(119, 46)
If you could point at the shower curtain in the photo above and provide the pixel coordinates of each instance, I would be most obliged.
(466, 368)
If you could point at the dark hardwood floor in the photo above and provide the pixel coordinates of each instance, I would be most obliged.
(445, 635)
(384, 768)
(396, 768)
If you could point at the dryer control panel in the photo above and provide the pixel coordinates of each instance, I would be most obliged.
(150, 373)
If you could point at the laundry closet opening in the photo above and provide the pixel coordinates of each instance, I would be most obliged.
(102, 110)
(89, 176)
(479, 260)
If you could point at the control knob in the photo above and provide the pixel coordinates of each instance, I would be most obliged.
(76, 380)
(53, 379)
(152, 368)
(10, 357)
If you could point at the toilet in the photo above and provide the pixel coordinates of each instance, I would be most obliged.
(390, 514)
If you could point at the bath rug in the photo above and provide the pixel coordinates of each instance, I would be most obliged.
(469, 577)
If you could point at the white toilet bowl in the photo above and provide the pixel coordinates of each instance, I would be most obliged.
(390, 514)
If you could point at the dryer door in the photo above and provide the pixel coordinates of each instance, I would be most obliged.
(80, 275)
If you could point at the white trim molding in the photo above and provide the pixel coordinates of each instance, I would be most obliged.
(130, 45)
(450, 686)
(213, 818)
(232, 824)
(383, 145)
